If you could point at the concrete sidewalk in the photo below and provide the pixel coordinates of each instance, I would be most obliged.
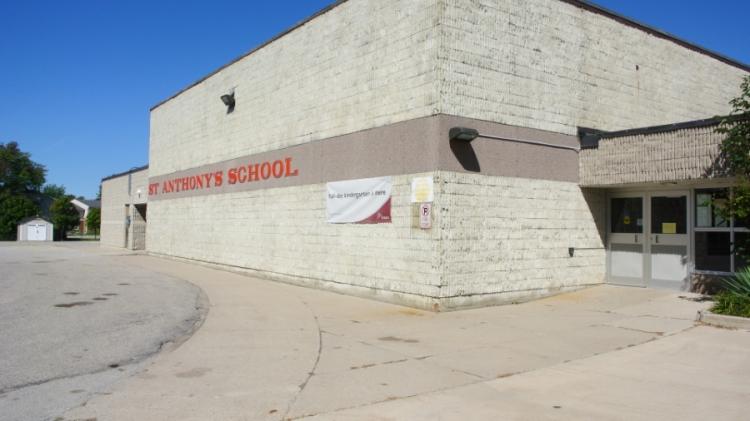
(274, 351)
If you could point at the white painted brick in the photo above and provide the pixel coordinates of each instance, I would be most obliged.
(523, 242)
(549, 65)
(364, 64)
(115, 196)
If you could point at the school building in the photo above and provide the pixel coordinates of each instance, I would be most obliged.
(444, 154)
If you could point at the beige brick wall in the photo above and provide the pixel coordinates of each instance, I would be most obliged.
(366, 63)
(494, 240)
(115, 197)
(283, 233)
(541, 64)
(682, 155)
(549, 65)
(506, 239)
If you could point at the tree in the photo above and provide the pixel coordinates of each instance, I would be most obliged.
(20, 177)
(94, 220)
(735, 150)
(18, 173)
(54, 191)
(14, 208)
(64, 215)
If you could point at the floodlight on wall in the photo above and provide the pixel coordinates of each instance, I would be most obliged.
(464, 134)
(228, 100)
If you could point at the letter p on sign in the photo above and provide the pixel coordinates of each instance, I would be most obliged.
(425, 216)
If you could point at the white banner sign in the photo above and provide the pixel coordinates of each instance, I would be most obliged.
(366, 201)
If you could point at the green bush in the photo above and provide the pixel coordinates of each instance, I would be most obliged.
(739, 283)
(731, 304)
(735, 299)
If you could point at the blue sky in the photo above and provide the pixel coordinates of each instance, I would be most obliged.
(77, 77)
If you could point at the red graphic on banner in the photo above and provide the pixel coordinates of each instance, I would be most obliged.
(382, 216)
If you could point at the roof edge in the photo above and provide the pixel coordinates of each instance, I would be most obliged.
(31, 218)
(590, 137)
(595, 8)
(713, 121)
(130, 171)
(583, 4)
(300, 24)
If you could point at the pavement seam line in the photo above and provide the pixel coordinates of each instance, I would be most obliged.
(484, 381)
(302, 386)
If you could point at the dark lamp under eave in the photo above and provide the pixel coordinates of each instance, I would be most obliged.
(228, 100)
(463, 134)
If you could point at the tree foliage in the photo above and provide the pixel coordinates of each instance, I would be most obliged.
(64, 215)
(18, 173)
(19, 178)
(54, 191)
(735, 151)
(14, 208)
(94, 219)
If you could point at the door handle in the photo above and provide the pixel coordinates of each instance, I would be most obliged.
(636, 238)
(657, 239)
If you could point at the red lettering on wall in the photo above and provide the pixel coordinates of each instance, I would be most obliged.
(242, 174)
(252, 170)
(265, 171)
(289, 171)
(278, 169)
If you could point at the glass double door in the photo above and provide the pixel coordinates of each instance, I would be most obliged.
(648, 241)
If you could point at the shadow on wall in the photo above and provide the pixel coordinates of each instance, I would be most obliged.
(718, 167)
(597, 204)
(465, 155)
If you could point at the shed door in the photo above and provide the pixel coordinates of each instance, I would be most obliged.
(37, 232)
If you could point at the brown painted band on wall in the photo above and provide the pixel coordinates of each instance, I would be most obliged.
(410, 147)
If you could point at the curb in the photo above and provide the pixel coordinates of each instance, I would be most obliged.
(727, 322)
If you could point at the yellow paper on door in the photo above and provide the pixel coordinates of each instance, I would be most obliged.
(669, 228)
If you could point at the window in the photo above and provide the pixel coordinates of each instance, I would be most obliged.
(714, 235)
(627, 215)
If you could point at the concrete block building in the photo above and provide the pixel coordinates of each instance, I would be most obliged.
(123, 209)
(522, 115)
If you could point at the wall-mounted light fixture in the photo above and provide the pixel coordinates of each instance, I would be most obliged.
(465, 134)
(228, 100)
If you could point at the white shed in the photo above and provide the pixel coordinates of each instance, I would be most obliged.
(35, 229)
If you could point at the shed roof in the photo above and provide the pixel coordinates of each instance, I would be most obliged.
(33, 218)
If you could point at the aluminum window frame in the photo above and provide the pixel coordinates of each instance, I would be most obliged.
(731, 229)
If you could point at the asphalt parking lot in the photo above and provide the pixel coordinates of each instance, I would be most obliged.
(74, 320)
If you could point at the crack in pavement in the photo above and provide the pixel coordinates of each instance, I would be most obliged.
(631, 329)
(302, 386)
(485, 380)
(481, 379)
